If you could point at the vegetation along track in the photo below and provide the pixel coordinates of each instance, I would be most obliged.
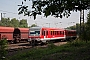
(13, 48)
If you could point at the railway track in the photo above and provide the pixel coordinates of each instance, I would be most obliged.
(27, 45)
(13, 48)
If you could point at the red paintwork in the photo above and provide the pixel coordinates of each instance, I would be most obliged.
(24, 33)
(6, 29)
(52, 29)
(8, 32)
(70, 33)
(61, 34)
(24, 29)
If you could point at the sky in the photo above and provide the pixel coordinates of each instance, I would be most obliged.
(9, 8)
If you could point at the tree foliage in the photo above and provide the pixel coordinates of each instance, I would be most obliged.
(13, 22)
(23, 23)
(87, 27)
(57, 8)
(33, 25)
(85, 35)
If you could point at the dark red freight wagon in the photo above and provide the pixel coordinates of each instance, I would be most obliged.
(14, 35)
(24, 33)
(20, 34)
(6, 32)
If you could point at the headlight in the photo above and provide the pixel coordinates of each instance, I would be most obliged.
(29, 39)
(38, 39)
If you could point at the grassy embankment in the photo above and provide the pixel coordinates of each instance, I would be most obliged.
(76, 50)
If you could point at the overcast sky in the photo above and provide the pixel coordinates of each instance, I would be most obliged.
(10, 8)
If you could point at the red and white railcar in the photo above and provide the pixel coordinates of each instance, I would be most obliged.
(39, 34)
(70, 34)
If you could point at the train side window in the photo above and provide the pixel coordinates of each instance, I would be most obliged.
(63, 32)
(60, 32)
(51, 32)
(55, 32)
(46, 32)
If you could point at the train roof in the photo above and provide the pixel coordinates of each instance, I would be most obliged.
(69, 30)
(6, 29)
(11, 29)
(53, 28)
(36, 27)
(46, 28)
(23, 29)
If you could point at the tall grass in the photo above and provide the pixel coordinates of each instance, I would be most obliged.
(69, 51)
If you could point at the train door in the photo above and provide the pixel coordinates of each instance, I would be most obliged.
(45, 34)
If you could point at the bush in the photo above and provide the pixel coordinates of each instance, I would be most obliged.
(3, 45)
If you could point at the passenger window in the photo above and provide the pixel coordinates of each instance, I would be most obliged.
(60, 32)
(46, 32)
(55, 32)
(51, 32)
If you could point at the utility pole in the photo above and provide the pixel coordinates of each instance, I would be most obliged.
(81, 21)
(4, 14)
(1, 16)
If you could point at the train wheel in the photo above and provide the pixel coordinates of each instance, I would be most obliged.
(33, 43)
(42, 43)
(11, 41)
(14, 41)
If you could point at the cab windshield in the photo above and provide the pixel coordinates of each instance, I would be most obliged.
(34, 33)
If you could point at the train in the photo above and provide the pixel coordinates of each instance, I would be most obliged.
(44, 34)
(14, 35)
(36, 35)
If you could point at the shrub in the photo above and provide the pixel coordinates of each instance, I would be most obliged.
(3, 45)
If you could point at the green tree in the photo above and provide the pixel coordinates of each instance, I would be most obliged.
(87, 27)
(85, 35)
(33, 25)
(14, 22)
(72, 27)
(57, 8)
(23, 23)
(5, 22)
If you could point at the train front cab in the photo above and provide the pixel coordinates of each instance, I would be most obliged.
(34, 35)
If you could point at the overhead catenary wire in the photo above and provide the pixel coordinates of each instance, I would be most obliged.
(8, 12)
